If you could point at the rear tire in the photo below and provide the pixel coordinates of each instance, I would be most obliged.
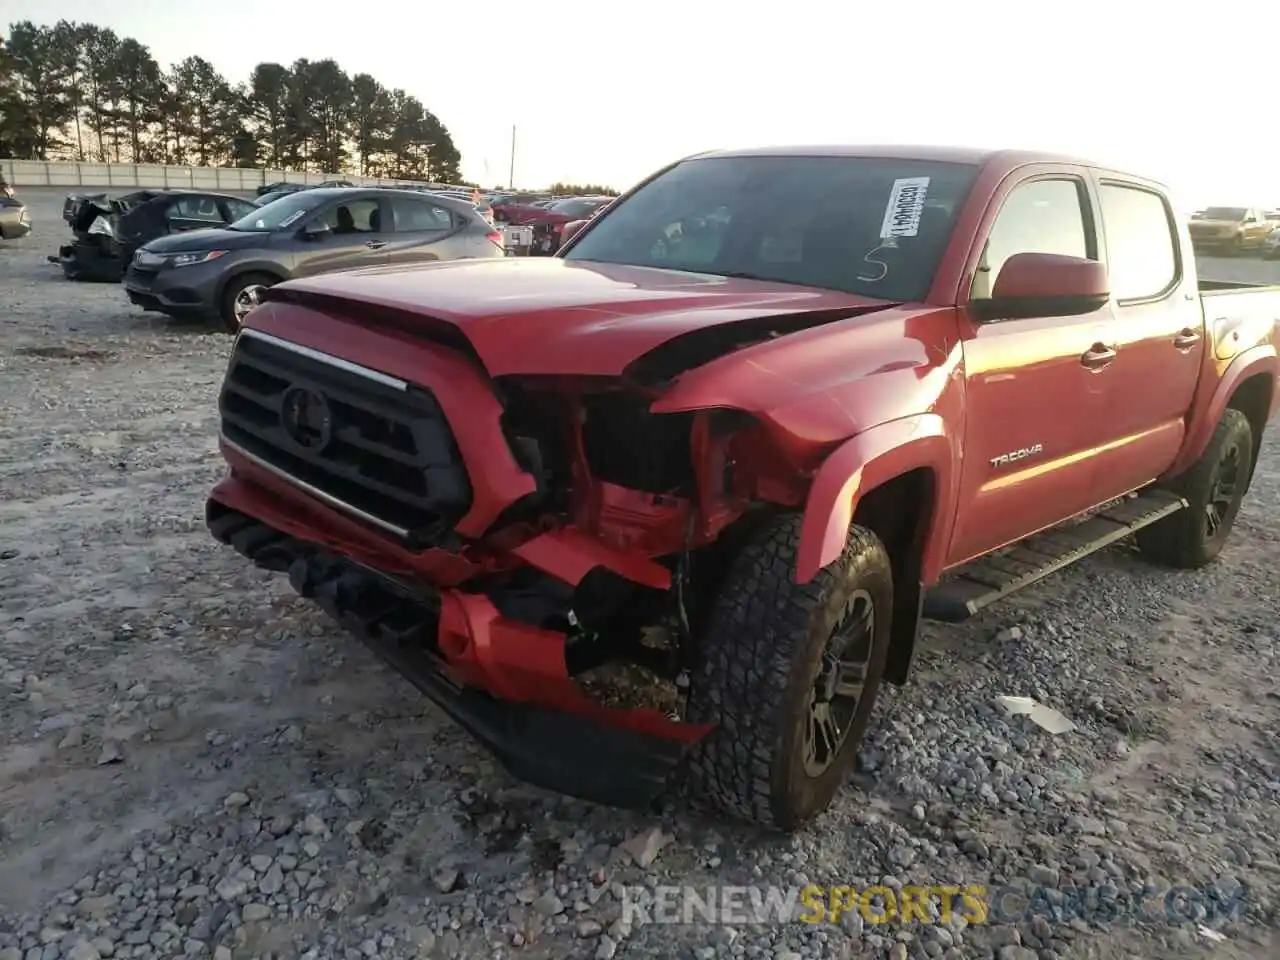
(789, 674)
(1214, 486)
(235, 306)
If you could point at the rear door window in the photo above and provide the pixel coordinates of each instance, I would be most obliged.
(413, 215)
(350, 217)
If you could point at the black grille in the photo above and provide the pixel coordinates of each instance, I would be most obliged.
(390, 454)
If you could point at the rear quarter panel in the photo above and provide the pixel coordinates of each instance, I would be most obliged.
(1243, 330)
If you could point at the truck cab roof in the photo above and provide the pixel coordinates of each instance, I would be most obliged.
(1004, 159)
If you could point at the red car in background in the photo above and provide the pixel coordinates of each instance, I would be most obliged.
(548, 222)
(514, 207)
(573, 226)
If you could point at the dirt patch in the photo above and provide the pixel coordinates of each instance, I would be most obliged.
(66, 353)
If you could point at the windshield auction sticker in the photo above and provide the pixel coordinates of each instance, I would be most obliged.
(906, 204)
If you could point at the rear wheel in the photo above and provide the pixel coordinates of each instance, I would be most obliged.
(241, 296)
(1214, 487)
(789, 674)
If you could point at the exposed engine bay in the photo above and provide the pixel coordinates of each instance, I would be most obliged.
(664, 486)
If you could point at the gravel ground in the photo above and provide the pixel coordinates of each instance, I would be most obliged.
(195, 763)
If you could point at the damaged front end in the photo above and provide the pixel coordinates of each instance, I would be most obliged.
(509, 541)
(498, 542)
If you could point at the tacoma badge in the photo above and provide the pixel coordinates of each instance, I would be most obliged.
(1014, 456)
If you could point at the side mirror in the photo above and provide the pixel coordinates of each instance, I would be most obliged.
(316, 231)
(570, 229)
(1044, 285)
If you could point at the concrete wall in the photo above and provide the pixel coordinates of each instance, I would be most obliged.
(102, 177)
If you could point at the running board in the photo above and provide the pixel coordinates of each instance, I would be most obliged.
(982, 582)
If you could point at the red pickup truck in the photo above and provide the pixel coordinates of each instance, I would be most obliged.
(749, 426)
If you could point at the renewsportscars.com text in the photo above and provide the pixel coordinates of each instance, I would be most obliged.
(934, 903)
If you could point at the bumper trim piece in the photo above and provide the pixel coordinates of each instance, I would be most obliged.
(326, 498)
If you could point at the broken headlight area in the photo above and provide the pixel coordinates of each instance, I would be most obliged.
(592, 445)
(661, 488)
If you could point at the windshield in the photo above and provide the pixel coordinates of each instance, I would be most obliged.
(870, 226)
(1224, 213)
(279, 214)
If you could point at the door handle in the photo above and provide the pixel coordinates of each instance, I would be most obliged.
(376, 244)
(1187, 339)
(1098, 356)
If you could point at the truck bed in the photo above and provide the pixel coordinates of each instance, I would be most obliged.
(1235, 321)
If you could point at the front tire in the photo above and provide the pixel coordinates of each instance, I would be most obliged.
(1214, 486)
(789, 674)
(240, 297)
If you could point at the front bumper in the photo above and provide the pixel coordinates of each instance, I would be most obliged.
(503, 681)
(192, 289)
(92, 258)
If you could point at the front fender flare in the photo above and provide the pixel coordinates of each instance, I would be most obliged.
(863, 463)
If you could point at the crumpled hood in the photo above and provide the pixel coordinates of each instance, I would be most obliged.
(547, 315)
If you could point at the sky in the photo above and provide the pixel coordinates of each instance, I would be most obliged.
(609, 91)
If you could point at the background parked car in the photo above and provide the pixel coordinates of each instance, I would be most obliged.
(107, 232)
(573, 227)
(548, 222)
(1229, 230)
(280, 186)
(516, 208)
(15, 222)
(74, 203)
(221, 272)
(288, 186)
(262, 199)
